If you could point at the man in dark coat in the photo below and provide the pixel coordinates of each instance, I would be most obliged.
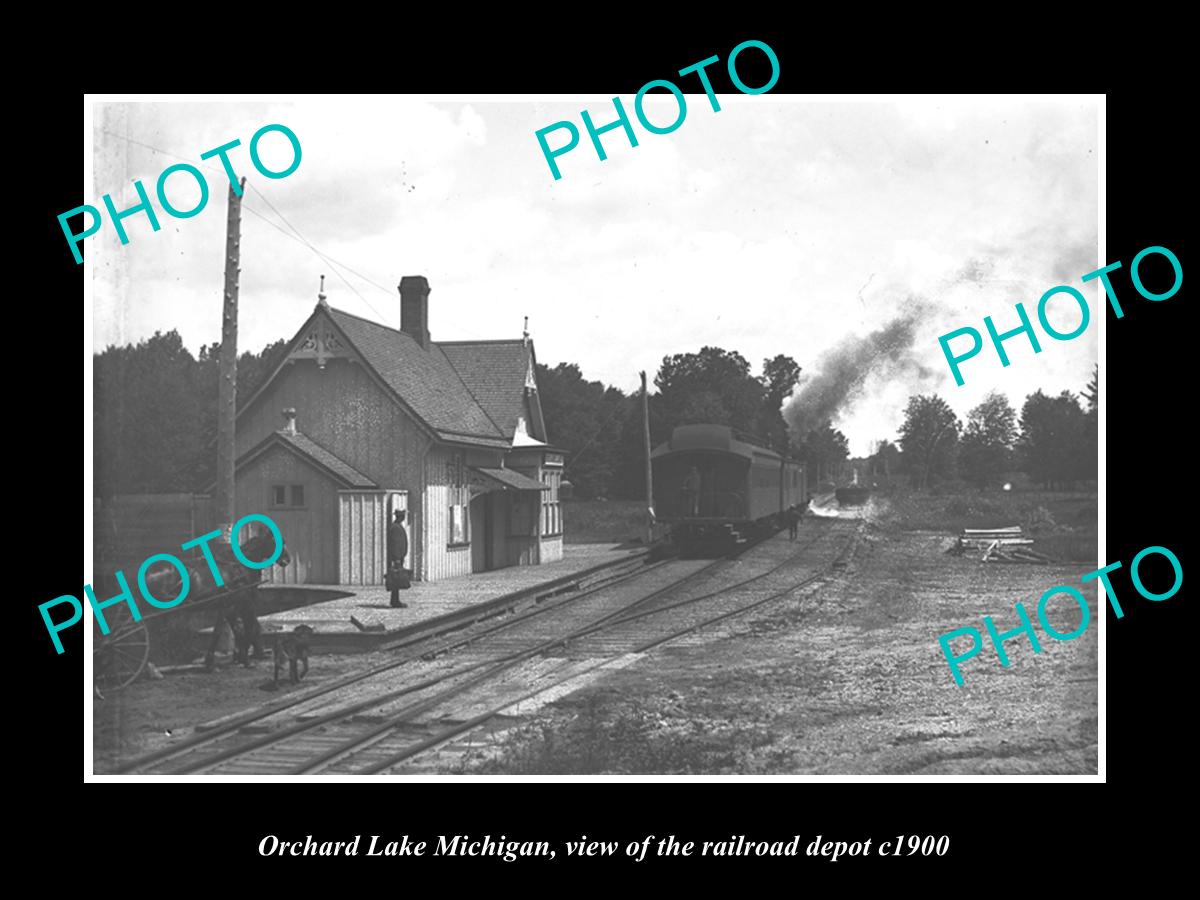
(793, 518)
(397, 550)
(691, 492)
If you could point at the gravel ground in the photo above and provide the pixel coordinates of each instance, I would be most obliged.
(844, 678)
(149, 714)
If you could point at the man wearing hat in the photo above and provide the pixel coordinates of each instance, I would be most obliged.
(397, 550)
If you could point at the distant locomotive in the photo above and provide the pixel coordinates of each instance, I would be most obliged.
(715, 487)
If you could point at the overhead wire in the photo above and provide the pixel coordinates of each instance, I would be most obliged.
(622, 404)
(297, 236)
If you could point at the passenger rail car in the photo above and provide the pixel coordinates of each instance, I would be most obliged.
(715, 487)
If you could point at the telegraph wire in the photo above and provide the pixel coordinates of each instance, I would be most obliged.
(297, 237)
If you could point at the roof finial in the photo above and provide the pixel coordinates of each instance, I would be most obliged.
(525, 333)
(321, 293)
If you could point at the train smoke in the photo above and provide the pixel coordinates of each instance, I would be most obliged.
(838, 377)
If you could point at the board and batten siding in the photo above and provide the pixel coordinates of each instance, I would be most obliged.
(305, 529)
(343, 408)
(552, 549)
(363, 520)
(441, 560)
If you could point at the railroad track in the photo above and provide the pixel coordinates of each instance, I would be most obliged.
(428, 696)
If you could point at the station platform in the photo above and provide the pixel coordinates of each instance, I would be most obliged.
(440, 605)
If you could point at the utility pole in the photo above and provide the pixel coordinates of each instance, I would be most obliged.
(649, 471)
(227, 368)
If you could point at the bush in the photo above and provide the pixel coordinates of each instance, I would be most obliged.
(1039, 521)
(624, 738)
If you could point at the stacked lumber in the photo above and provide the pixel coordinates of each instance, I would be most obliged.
(999, 545)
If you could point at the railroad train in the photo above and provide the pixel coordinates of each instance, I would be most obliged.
(716, 487)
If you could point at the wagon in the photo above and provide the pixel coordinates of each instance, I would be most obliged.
(120, 656)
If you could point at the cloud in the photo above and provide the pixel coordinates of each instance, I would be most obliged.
(768, 227)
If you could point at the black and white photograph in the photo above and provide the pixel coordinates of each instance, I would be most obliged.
(488, 436)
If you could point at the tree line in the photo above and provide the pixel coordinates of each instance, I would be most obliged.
(1054, 440)
(155, 422)
(601, 427)
(154, 413)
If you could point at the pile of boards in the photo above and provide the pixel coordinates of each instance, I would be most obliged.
(999, 545)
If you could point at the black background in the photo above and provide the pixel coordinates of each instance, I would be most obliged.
(998, 830)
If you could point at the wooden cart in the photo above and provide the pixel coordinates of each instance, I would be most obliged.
(120, 656)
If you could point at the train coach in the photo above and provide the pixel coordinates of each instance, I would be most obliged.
(716, 487)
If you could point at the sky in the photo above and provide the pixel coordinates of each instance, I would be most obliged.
(776, 225)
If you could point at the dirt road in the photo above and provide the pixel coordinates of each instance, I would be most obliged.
(844, 678)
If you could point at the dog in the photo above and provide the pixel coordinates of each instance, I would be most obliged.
(293, 646)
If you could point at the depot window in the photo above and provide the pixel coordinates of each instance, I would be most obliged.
(287, 496)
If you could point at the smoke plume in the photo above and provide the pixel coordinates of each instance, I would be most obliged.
(833, 384)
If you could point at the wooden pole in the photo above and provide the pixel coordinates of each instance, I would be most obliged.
(649, 471)
(227, 368)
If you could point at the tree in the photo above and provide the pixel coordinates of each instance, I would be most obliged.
(584, 418)
(630, 480)
(929, 438)
(1090, 461)
(1091, 393)
(779, 378)
(885, 460)
(987, 442)
(145, 415)
(712, 386)
(154, 412)
(823, 451)
(1053, 446)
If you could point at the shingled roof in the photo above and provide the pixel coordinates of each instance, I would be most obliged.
(306, 446)
(464, 391)
(311, 452)
(428, 382)
(494, 372)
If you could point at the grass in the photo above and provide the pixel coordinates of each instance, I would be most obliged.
(1035, 511)
(1064, 524)
(603, 521)
(610, 734)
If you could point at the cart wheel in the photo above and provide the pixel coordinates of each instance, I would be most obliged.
(119, 657)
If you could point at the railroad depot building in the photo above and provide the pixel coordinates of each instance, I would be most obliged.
(360, 419)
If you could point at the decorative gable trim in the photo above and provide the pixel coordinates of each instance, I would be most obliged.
(537, 422)
(321, 336)
(322, 343)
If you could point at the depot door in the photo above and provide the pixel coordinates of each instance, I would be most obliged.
(479, 554)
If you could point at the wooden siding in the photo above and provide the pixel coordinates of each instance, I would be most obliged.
(480, 509)
(345, 410)
(309, 532)
(441, 560)
(552, 549)
(363, 520)
(501, 511)
(127, 528)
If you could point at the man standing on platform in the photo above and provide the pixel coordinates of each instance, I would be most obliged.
(397, 550)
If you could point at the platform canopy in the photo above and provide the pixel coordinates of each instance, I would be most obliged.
(503, 479)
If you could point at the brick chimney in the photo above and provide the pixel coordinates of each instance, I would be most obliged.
(414, 308)
(289, 421)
